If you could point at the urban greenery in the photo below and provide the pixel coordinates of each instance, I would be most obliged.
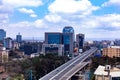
(39, 66)
(42, 65)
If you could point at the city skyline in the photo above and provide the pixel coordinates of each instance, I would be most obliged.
(32, 18)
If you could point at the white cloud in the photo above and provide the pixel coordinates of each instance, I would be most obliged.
(100, 26)
(110, 20)
(96, 26)
(53, 18)
(71, 6)
(112, 2)
(92, 26)
(28, 11)
(103, 22)
(67, 10)
(33, 15)
(28, 29)
(5, 9)
(4, 18)
(22, 3)
(22, 24)
(39, 23)
(75, 13)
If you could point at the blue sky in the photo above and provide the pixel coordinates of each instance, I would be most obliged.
(32, 18)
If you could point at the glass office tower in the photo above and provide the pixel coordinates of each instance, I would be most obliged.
(68, 29)
(68, 39)
(80, 41)
(8, 43)
(2, 34)
(19, 38)
(53, 38)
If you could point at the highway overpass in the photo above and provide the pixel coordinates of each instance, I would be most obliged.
(67, 70)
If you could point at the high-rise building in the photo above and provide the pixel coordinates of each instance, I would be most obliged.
(53, 44)
(68, 39)
(68, 29)
(2, 34)
(80, 41)
(8, 43)
(19, 38)
(53, 38)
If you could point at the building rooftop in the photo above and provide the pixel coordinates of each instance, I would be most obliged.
(68, 29)
(114, 72)
(100, 71)
(113, 46)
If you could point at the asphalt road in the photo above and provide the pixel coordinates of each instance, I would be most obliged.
(60, 72)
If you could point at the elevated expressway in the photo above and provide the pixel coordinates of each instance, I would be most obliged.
(67, 70)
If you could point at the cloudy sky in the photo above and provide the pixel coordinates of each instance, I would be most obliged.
(32, 18)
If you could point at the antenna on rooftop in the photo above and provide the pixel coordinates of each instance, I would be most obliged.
(33, 39)
(19, 33)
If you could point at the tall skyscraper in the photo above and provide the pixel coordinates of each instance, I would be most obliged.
(53, 38)
(2, 34)
(80, 41)
(68, 39)
(19, 38)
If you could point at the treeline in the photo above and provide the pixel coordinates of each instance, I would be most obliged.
(41, 65)
(104, 60)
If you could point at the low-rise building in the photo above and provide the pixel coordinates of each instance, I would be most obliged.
(3, 55)
(111, 51)
(107, 73)
(34, 55)
(53, 49)
(2, 69)
(4, 76)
